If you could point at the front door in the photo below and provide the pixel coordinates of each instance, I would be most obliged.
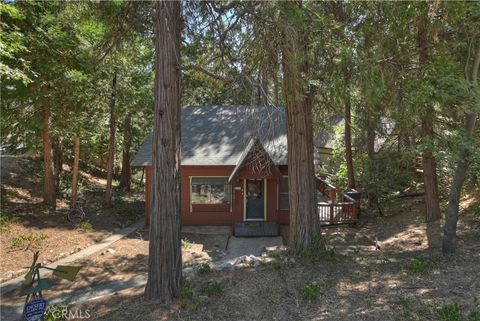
(255, 200)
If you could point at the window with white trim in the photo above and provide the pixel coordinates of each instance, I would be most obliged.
(283, 193)
(211, 190)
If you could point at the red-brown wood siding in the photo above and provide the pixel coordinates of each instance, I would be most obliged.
(219, 214)
(283, 215)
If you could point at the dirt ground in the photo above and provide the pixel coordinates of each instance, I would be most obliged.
(407, 278)
(389, 268)
(121, 262)
(28, 226)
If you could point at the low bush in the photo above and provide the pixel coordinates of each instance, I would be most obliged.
(214, 288)
(6, 222)
(310, 292)
(407, 304)
(28, 241)
(187, 291)
(450, 312)
(204, 269)
(186, 244)
(418, 266)
(85, 226)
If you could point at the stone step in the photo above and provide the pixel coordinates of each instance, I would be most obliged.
(255, 229)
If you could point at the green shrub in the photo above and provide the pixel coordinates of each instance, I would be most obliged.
(310, 292)
(6, 222)
(186, 244)
(407, 304)
(195, 303)
(204, 269)
(28, 241)
(450, 312)
(189, 298)
(85, 226)
(214, 288)
(418, 266)
(187, 291)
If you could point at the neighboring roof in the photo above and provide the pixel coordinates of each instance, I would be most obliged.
(218, 135)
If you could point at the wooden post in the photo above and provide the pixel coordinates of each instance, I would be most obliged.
(332, 212)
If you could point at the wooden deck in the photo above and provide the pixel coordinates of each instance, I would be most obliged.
(334, 207)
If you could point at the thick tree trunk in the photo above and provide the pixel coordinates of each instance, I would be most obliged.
(49, 194)
(304, 221)
(429, 164)
(76, 158)
(57, 146)
(165, 255)
(432, 203)
(348, 131)
(451, 216)
(111, 143)
(126, 174)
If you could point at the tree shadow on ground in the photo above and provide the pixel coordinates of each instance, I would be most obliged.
(365, 285)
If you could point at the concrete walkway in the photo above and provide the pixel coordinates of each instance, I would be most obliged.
(241, 246)
(16, 283)
(237, 247)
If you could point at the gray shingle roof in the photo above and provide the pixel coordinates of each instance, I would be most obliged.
(217, 135)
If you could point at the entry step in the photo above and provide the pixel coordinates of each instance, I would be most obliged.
(255, 229)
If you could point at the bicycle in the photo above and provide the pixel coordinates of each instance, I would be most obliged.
(77, 214)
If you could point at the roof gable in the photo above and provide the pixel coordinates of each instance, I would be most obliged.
(255, 156)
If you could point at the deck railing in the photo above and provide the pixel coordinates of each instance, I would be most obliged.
(333, 212)
(338, 213)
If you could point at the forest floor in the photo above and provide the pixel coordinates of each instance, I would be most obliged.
(407, 278)
(26, 225)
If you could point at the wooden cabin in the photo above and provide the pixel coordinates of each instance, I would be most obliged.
(234, 168)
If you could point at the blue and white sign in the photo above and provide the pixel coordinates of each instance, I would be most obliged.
(34, 309)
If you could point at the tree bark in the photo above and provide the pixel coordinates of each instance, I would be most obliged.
(111, 143)
(304, 221)
(429, 164)
(165, 255)
(76, 158)
(451, 216)
(49, 194)
(126, 174)
(348, 131)
(57, 146)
